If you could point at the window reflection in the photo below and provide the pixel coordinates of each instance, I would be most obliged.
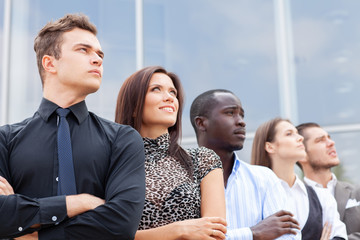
(222, 46)
(347, 147)
(211, 44)
(115, 22)
(1, 42)
(327, 57)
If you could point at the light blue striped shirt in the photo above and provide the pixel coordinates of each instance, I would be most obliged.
(252, 194)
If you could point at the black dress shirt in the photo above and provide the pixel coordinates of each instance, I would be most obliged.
(108, 162)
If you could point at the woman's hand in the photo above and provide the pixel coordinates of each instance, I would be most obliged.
(208, 228)
(5, 187)
(326, 232)
(202, 228)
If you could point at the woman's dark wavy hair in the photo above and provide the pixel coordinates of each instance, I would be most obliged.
(130, 107)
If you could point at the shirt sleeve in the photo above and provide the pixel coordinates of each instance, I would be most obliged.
(330, 213)
(275, 200)
(119, 217)
(246, 234)
(18, 212)
(205, 160)
(275, 196)
(239, 234)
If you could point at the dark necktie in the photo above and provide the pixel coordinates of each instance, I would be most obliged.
(66, 178)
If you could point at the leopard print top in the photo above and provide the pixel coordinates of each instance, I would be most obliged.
(171, 194)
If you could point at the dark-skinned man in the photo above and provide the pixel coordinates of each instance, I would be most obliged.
(254, 196)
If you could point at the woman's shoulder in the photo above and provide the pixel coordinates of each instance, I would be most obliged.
(204, 161)
(202, 153)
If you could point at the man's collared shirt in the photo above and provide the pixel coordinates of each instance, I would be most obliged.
(332, 183)
(252, 194)
(329, 209)
(108, 163)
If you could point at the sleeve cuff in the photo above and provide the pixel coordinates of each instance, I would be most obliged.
(52, 210)
(239, 234)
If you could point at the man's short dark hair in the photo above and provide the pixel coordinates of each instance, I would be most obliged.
(201, 106)
(49, 39)
(301, 129)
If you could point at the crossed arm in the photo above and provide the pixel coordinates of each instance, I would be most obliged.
(83, 215)
(75, 204)
(274, 226)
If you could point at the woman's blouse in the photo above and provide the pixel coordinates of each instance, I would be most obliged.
(171, 193)
(298, 200)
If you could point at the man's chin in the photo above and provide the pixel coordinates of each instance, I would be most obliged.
(334, 162)
(325, 166)
(93, 88)
(331, 165)
(237, 147)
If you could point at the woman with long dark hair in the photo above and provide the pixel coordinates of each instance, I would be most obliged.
(184, 188)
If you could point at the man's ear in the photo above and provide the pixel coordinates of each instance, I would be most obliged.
(48, 64)
(201, 123)
(269, 147)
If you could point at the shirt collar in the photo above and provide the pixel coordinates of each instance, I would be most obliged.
(236, 163)
(160, 143)
(312, 183)
(80, 111)
(333, 180)
(332, 183)
(300, 184)
(47, 108)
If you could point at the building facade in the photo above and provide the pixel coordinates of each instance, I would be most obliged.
(295, 59)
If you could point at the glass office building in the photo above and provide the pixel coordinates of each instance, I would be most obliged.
(295, 59)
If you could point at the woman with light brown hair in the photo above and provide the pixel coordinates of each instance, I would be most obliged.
(278, 146)
(184, 188)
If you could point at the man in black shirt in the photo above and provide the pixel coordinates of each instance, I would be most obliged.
(108, 158)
